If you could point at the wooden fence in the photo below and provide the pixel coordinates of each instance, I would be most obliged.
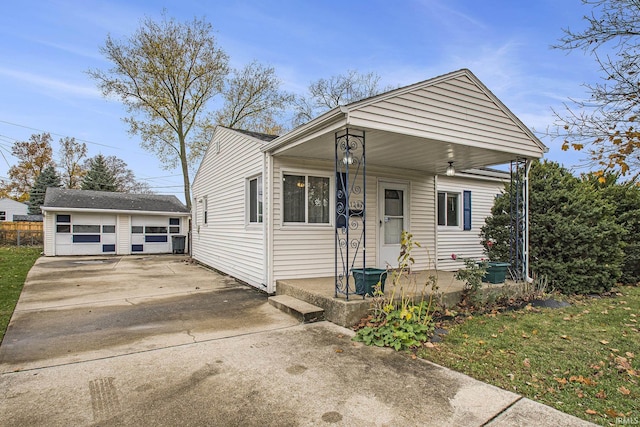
(21, 233)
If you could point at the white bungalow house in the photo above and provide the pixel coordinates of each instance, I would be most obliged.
(84, 222)
(10, 207)
(336, 193)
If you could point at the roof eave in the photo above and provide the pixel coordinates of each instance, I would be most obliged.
(331, 116)
(112, 211)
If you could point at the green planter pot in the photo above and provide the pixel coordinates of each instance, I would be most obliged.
(367, 278)
(496, 272)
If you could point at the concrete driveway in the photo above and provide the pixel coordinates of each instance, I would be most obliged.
(139, 341)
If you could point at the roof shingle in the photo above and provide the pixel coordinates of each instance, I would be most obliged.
(89, 199)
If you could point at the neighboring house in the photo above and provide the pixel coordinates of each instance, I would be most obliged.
(83, 222)
(336, 193)
(28, 218)
(9, 208)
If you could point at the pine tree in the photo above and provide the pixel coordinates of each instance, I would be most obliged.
(48, 178)
(99, 177)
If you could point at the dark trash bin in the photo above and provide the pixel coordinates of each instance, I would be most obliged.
(367, 278)
(178, 243)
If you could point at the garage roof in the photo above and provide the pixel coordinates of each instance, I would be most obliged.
(63, 198)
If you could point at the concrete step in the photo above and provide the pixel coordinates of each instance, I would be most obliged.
(303, 311)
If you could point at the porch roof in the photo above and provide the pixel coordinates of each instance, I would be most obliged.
(450, 118)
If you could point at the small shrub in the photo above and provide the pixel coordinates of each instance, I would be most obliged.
(472, 275)
(405, 322)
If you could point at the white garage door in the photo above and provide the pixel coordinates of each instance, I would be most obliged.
(152, 234)
(85, 234)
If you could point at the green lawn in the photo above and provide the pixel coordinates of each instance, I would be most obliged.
(15, 263)
(583, 360)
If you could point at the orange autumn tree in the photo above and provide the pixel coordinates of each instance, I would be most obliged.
(33, 157)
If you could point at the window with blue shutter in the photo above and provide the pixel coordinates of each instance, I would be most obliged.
(466, 209)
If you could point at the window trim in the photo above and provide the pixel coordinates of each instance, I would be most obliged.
(307, 174)
(260, 200)
(459, 207)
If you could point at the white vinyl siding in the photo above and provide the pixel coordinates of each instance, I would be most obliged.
(123, 228)
(455, 240)
(49, 229)
(301, 251)
(455, 110)
(228, 242)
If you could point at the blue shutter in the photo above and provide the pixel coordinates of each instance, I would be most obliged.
(466, 209)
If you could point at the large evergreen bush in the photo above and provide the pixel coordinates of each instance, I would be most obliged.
(625, 197)
(574, 239)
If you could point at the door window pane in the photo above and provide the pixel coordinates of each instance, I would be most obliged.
(318, 200)
(392, 231)
(393, 203)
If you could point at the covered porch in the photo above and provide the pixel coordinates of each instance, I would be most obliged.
(434, 128)
(319, 292)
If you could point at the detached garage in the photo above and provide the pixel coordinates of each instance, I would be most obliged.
(83, 222)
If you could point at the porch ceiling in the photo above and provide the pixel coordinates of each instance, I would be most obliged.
(390, 149)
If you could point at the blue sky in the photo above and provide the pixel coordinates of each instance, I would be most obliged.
(47, 46)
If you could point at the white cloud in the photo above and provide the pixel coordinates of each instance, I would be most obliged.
(50, 84)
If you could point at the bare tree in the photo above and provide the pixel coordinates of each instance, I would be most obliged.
(342, 89)
(253, 100)
(605, 124)
(71, 155)
(165, 74)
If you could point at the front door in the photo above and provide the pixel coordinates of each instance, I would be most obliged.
(392, 220)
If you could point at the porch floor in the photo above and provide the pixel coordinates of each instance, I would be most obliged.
(320, 291)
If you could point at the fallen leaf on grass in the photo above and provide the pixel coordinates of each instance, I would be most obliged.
(613, 414)
(339, 350)
(622, 389)
(601, 394)
(591, 412)
(582, 380)
(630, 355)
(562, 381)
(565, 337)
(604, 342)
(622, 363)
(526, 363)
(429, 345)
(494, 336)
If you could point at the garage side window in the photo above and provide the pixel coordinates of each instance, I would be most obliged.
(174, 225)
(63, 223)
(3, 215)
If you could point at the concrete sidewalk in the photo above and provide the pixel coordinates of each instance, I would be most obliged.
(277, 373)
